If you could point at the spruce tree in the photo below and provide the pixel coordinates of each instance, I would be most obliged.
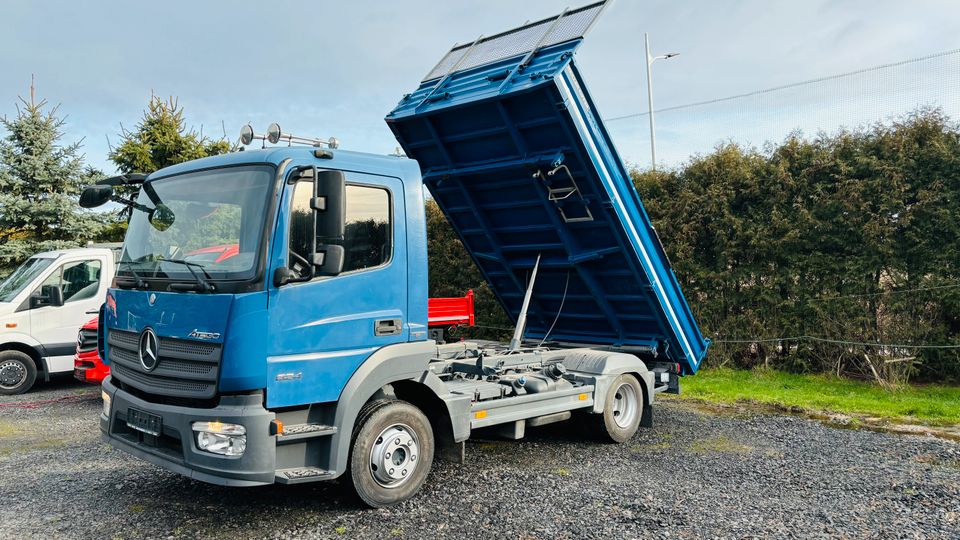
(162, 139)
(159, 140)
(40, 182)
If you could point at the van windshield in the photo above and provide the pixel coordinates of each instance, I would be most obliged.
(212, 220)
(22, 276)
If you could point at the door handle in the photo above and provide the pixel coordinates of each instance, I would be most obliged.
(387, 327)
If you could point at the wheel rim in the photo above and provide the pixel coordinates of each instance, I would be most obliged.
(395, 455)
(626, 406)
(12, 374)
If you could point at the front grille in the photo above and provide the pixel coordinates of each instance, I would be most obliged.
(125, 340)
(186, 369)
(87, 340)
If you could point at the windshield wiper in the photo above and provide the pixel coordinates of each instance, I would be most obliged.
(205, 286)
(138, 281)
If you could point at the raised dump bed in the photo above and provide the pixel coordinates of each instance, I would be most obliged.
(514, 151)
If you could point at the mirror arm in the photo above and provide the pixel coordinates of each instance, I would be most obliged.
(130, 203)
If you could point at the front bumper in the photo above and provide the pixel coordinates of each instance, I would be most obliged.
(175, 449)
(88, 367)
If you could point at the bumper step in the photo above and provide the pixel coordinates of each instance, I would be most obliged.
(298, 432)
(302, 475)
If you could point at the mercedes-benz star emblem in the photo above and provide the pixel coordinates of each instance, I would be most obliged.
(149, 348)
(152, 298)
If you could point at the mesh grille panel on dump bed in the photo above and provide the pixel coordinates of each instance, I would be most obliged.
(518, 41)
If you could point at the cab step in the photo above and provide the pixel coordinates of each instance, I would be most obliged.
(299, 432)
(302, 475)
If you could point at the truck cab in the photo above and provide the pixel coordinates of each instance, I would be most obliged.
(42, 304)
(266, 329)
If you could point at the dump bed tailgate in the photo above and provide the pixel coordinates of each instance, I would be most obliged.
(516, 155)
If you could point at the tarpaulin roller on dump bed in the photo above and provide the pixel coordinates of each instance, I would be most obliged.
(513, 149)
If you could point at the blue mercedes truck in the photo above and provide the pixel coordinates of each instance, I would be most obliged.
(268, 319)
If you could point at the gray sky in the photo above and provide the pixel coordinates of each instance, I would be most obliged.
(325, 68)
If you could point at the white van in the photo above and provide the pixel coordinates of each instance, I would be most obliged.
(42, 304)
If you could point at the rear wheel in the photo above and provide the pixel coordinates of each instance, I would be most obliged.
(392, 452)
(17, 372)
(622, 410)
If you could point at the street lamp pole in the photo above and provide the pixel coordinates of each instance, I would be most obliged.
(650, 60)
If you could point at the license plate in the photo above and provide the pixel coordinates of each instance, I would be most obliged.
(144, 421)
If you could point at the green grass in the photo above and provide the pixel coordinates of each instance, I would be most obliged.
(929, 404)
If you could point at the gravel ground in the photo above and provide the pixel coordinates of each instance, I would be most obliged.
(697, 474)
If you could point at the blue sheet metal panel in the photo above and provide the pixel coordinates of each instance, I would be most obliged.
(632, 214)
(486, 147)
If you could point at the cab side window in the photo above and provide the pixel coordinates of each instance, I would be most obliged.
(367, 236)
(78, 280)
(301, 232)
(366, 241)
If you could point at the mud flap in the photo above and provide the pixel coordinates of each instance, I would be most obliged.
(646, 420)
(453, 452)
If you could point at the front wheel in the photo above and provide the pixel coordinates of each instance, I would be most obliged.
(392, 452)
(17, 373)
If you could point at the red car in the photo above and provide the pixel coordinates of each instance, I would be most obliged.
(214, 254)
(87, 365)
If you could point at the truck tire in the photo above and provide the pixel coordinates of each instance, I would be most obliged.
(622, 410)
(392, 452)
(17, 372)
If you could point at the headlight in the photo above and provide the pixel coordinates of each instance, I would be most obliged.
(106, 403)
(221, 438)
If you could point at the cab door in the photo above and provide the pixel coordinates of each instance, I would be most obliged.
(56, 327)
(323, 329)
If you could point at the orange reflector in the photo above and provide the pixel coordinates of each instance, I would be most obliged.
(583, 397)
(480, 414)
(11, 325)
(276, 427)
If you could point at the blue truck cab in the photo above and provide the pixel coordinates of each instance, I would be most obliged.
(268, 320)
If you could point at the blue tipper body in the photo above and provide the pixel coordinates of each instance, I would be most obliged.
(516, 155)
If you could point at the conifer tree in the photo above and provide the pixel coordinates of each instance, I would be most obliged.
(161, 139)
(40, 182)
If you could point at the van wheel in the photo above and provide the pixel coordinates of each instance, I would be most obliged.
(17, 373)
(392, 452)
(622, 410)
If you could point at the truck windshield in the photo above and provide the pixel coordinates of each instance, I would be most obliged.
(22, 276)
(212, 219)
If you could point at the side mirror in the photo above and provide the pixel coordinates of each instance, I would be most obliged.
(328, 260)
(95, 195)
(55, 295)
(329, 202)
(50, 295)
(328, 221)
(162, 217)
